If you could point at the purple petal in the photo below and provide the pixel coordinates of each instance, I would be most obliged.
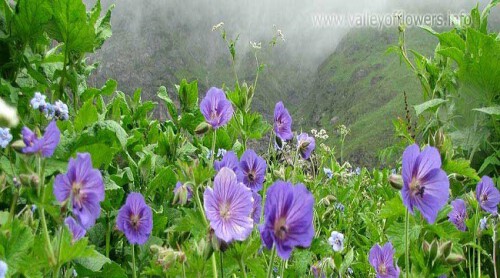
(410, 156)
(50, 139)
(77, 231)
(428, 160)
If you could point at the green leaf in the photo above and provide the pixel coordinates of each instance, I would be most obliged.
(172, 110)
(461, 167)
(164, 180)
(103, 28)
(493, 110)
(86, 116)
(428, 105)
(347, 261)
(188, 95)
(16, 240)
(30, 18)
(108, 89)
(103, 132)
(396, 234)
(93, 262)
(491, 160)
(70, 26)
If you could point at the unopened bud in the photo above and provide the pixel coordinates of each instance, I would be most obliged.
(396, 181)
(433, 252)
(202, 128)
(454, 259)
(445, 248)
(426, 247)
(18, 145)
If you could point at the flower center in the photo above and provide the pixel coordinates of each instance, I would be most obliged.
(251, 176)
(134, 220)
(382, 269)
(224, 211)
(484, 198)
(77, 194)
(280, 228)
(417, 189)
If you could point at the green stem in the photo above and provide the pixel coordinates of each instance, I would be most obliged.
(61, 82)
(214, 140)
(475, 237)
(479, 257)
(58, 267)
(41, 191)
(108, 236)
(221, 264)
(242, 267)
(200, 207)
(295, 162)
(134, 275)
(271, 262)
(495, 249)
(407, 244)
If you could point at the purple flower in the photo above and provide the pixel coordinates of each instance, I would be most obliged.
(487, 195)
(306, 145)
(458, 214)
(83, 185)
(182, 193)
(252, 170)
(216, 109)
(257, 207)
(46, 145)
(77, 231)
(135, 219)
(282, 122)
(425, 185)
(288, 215)
(229, 160)
(229, 207)
(381, 258)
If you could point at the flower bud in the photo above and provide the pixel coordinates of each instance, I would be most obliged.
(454, 259)
(433, 252)
(396, 181)
(202, 128)
(426, 246)
(182, 194)
(445, 248)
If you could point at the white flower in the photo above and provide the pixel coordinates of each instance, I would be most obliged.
(336, 240)
(256, 45)
(217, 26)
(8, 114)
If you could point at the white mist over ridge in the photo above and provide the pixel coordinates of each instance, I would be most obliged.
(254, 20)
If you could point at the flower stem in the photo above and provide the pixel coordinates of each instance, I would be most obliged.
(495, 249)
(41, 191)
(200, 207)
(214, 139)
(407, 244)
(271, 262)
(242, 267)
(108, 236)
(475, 237)
(221, 264)
(133, 261)
(214, 266)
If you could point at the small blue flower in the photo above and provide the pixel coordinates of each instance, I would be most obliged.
(209, 154)
(38, 101)
(483, 223)
(339, 207)
(357, 171)
(221, 153)
(48, 111)
(33, 208)
(5, 137)
(61, 110)
(3, 269)
(393, 171)
(350, 271)
(336, 240)
(328, 172)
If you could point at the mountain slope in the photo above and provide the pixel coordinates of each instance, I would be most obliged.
(361, 86)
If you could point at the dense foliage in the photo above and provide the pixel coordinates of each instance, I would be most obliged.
(93, 185)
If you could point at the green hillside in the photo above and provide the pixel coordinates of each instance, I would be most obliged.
(361, 86)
